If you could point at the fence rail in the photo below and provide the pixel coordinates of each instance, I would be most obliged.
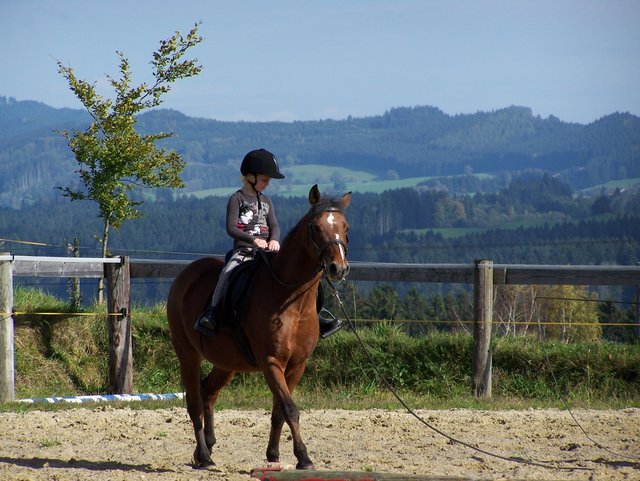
(34, 266)
(483, 274)
(446, 273)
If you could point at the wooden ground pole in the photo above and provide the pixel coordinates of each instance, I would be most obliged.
(270, 474)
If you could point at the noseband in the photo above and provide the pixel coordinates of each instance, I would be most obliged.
(321, 248)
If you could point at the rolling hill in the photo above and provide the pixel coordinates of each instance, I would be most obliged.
(405, 146)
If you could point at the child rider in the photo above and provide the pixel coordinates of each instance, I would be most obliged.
(251, 223)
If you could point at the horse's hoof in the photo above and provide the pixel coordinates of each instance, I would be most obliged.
(205, 465)
(202, 461)
(304, 465)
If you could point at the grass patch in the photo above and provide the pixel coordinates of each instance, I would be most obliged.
(67, 355)
(57, 348)
(452, 232)
(304, 176)
(612, 184)
(49, 443)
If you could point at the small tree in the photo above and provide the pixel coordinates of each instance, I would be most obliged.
(571, 313)
(114, 158)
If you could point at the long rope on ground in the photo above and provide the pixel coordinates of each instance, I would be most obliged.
(433, 428)
(566, 406)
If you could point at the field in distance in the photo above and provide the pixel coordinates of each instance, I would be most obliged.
(328, 178)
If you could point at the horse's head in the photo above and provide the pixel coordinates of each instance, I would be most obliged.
(328, 229)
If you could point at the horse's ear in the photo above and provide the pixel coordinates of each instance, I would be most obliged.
(345, 200)
(314, 195)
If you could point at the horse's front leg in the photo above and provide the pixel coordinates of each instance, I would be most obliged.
(277, 421)
(284, 409)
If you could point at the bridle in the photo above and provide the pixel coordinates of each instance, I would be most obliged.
(322, 265)
(320, 249)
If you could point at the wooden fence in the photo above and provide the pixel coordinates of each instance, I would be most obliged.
(483, 274)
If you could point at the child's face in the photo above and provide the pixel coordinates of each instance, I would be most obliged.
(262, 182)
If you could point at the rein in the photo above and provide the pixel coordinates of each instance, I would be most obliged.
(274, 276)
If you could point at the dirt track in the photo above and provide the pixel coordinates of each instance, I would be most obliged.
(104, 443)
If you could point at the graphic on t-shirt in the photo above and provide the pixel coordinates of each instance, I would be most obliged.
(252, 221)
(246, 214)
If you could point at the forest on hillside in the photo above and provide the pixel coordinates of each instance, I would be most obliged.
(404, 225)
(403, 142)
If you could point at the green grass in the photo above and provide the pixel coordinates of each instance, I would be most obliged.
(456, 232)
(452, 232)
(304, 176)
(302, 190)
(529, 223)
(312, 173)
(49, 443)
(612, 184)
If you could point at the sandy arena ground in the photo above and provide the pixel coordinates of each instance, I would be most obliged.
(103, 443)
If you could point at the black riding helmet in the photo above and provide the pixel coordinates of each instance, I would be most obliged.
(261, 162)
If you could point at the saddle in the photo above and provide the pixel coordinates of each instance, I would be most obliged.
(235, 301)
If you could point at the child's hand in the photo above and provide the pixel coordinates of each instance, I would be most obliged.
(260, 243)
(273, 246)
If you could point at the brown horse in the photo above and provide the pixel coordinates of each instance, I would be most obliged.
(281, 324)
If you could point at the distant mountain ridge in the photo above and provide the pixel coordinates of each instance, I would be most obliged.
(402, 142)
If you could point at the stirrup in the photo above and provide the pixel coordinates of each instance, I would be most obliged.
(329, 324)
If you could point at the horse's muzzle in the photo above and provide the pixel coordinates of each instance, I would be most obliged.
(337, 271)
(338, 268)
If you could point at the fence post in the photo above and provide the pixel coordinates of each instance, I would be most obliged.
(119, 327)
(637, 303)
(483, 314)
(75, 281)
(7, 362)
(637, 311)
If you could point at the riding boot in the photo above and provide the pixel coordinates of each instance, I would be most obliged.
(329, 324)
(207, 323)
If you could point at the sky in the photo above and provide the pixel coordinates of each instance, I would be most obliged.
(288, 60)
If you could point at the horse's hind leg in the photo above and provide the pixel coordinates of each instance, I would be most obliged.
(190, 372)
(284, 409)
(211, 387)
